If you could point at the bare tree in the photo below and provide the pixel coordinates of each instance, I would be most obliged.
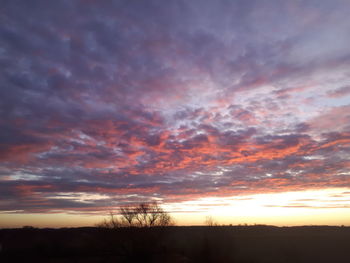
(165, 220)
(142, 215)
(151, 214)
(129, 214)
(114, 221)
(155, 213)
(111, 222)
(210, 221)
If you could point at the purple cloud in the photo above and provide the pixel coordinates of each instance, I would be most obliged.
(123, 101)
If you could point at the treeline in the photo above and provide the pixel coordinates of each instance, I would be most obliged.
(141, 215)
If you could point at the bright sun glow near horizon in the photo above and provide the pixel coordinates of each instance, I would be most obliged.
(312, 207)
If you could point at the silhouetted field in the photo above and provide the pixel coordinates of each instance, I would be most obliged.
(243, 244)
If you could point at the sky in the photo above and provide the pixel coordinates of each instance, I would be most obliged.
(235, 109)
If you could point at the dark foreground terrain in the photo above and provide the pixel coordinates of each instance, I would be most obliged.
(243, 244)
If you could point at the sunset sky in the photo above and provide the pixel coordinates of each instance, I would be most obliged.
(236, 109)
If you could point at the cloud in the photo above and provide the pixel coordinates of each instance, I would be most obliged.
(140, 101)
(335, 119)
(340, 92)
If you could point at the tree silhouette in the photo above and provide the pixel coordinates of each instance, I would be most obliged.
(111, 222)
(210, 221)
(142, 215)
(128, 214)
(151, 214)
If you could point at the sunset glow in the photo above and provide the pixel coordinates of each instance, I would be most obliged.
(239, 110)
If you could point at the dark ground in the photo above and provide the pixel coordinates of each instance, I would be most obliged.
(243, 244)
